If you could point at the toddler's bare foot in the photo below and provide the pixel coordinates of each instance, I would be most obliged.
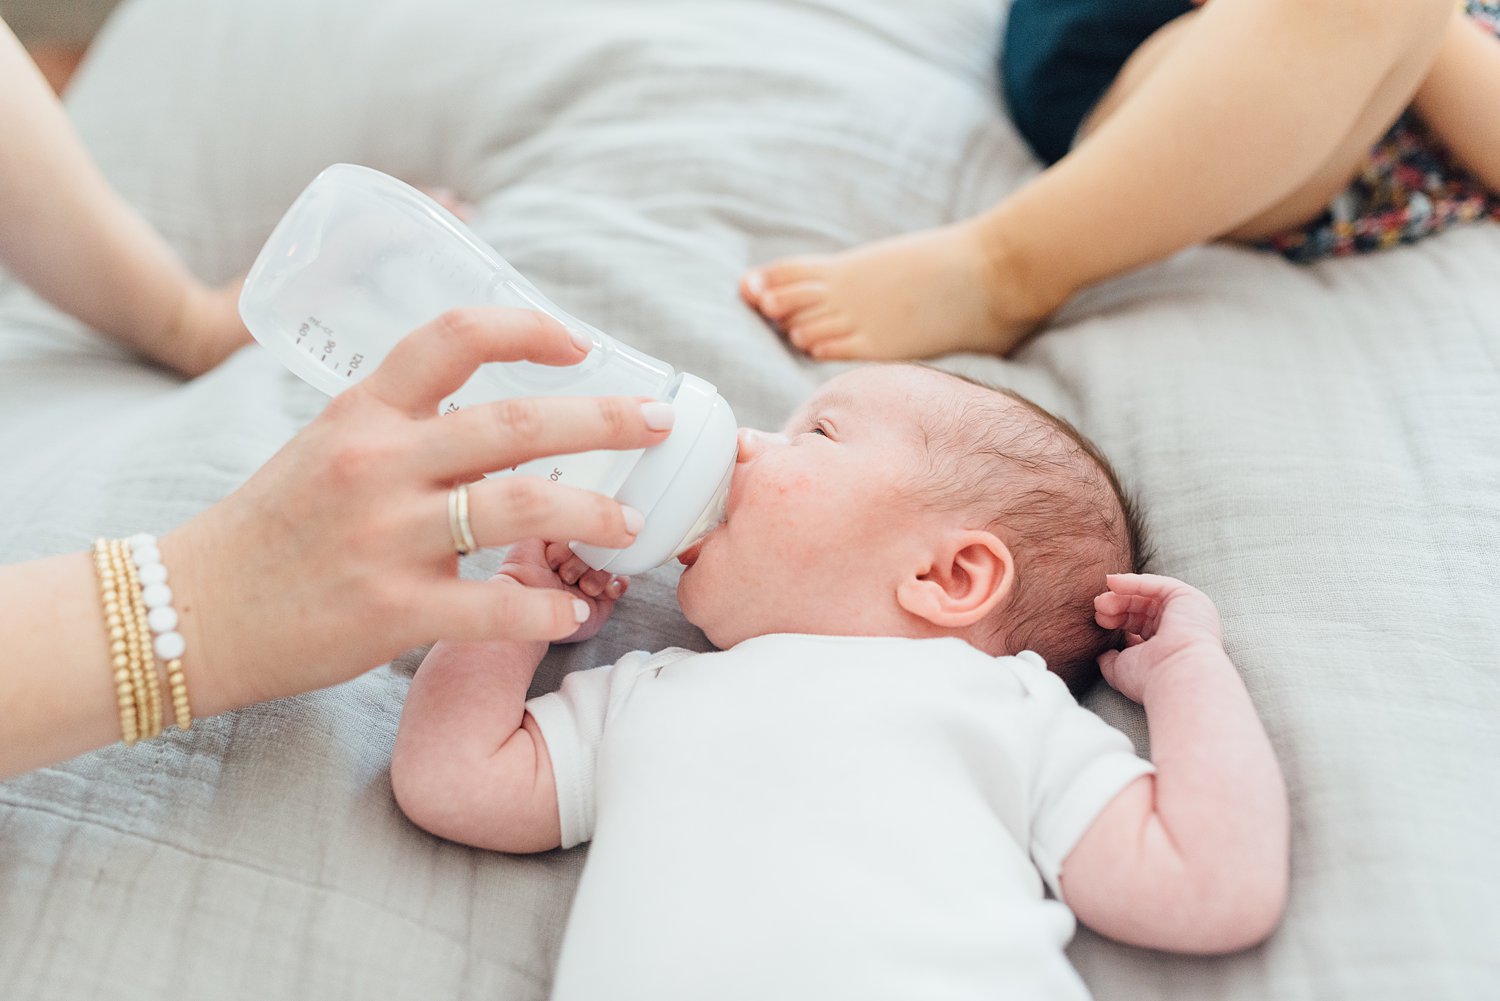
(913, 296)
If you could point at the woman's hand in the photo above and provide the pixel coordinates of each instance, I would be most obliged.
(337, 554)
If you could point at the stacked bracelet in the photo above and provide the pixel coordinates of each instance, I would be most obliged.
(167, 643)
(142, 628)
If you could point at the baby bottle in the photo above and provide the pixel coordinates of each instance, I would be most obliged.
(361, 259)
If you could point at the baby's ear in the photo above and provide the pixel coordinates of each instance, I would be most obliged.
(971, 575)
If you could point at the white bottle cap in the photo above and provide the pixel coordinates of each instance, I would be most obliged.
(681, 485)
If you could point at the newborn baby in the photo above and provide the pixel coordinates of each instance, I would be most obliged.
(865, 792)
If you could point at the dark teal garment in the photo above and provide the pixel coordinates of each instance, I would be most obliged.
(1059, 56)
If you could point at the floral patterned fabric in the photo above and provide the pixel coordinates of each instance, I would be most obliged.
(1410, 187)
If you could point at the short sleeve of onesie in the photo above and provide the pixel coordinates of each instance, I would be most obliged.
(572, 721)
(1082, 763)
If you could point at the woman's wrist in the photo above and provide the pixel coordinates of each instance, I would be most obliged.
(213, 659)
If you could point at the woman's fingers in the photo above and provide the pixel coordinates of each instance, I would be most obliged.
(493, 436)
(508, 508)
(433, 361)
(472, 611)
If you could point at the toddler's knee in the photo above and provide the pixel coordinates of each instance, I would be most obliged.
(1425, 16)
(1398, 26)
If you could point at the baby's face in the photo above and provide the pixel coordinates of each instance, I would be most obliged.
(823, 519)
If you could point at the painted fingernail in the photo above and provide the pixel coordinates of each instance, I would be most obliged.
(755, 282)
(580, 610)
(658, 416)
(634, 520)
(581, 339)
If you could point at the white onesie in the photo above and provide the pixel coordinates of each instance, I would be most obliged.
(824, 817)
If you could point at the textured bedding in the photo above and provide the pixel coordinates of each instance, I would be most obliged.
(1319, 449)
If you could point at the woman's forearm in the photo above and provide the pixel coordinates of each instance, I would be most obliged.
(65, 232)
(334, 557)
(57, 696)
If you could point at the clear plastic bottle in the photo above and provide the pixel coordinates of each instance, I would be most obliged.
(362, 259)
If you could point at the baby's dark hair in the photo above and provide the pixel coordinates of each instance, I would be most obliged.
(1053, 498)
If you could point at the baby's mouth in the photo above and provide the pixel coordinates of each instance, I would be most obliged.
(689, 556)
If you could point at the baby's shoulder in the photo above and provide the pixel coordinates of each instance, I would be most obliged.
(652, 663)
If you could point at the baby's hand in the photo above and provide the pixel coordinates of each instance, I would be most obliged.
(1164, 620)
(552, 564)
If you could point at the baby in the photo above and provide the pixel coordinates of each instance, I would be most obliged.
(863, 794)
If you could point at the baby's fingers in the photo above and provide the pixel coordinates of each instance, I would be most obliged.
(558, 553)
(602, 584)
(575, 573)
(1109, 668)
(593, 582)
(1107, 662)
(1174, 605)
(527, 551)
(1149, 585)
(1134, 612)
(573, 570)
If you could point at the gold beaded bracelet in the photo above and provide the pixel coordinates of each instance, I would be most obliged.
(114, 625)
(137, 604)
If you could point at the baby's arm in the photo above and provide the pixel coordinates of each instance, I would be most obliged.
(470, 763)
(1194, 858)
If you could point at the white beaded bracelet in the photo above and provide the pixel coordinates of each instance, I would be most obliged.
(167, 642)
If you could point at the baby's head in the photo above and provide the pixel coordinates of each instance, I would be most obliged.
(904, 501)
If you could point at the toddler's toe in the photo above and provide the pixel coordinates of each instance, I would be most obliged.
(788, 301)
(807, 333)
(849, 348)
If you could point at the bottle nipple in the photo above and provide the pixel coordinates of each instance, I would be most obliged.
(712, 517)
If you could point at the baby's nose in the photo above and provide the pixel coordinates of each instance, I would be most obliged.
(753, 442)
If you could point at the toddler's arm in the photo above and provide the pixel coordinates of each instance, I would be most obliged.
(1194, 858)
(470, 763)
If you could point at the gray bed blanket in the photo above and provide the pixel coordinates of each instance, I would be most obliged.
(1319, 449)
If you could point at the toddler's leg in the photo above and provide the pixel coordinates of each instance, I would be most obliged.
(1457, 100)
(1246, 113)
